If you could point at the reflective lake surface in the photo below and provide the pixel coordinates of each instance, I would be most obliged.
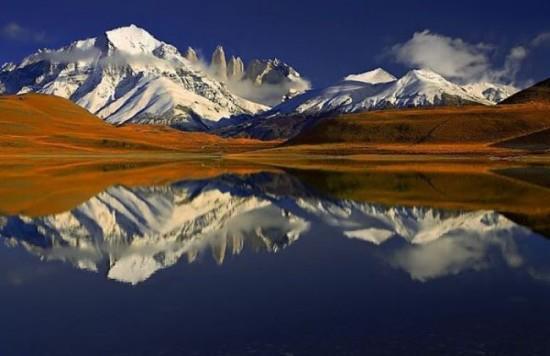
(183, 258)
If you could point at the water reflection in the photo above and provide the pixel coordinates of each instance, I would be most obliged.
(129, 233)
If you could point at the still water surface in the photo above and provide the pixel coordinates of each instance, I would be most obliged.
(281, 262)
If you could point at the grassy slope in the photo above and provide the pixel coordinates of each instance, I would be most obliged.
(538, 93)
(435, 130)
(42, 124)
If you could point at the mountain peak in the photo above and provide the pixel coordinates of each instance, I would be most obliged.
(424, 74)
(376, 76)
(191, 55)
(219, 64)
(132, 39)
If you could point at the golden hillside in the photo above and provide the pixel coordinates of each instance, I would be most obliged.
(472, 129)
(44, 124)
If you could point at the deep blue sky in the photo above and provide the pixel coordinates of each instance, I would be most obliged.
(323, 39)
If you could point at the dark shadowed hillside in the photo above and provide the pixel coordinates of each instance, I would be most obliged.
(537, 93)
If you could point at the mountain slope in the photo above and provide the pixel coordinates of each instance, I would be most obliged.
(538, 93)
(124, 76)
(367, 91)
(44, 124)
(436, 130)
(495, 93)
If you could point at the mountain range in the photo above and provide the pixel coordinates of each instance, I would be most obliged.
(128, 76)
(370, 91)
(378, 89)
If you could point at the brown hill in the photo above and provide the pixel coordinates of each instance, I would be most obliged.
(44, 124)
(538, 93)
(437, 130)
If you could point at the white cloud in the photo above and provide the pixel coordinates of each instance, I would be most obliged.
(15, 32)
(265, 94)
(512, 64)
(450, 57)
(459, 60)
(455, 253)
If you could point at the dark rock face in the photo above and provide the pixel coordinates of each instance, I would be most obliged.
(277, 128)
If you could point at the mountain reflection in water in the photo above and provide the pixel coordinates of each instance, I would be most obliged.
(130, 233)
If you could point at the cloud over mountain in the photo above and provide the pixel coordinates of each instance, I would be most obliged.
(456, 59)
(451, 57)
(264, 81)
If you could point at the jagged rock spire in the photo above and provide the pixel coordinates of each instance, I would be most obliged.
(191, 55)
(235, 68)
(218, 64)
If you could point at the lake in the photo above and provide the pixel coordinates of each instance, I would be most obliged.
(214, 257)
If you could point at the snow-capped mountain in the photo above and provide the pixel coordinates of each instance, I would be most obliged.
(265, 81)
(376, 76)
(373, 90)
(493, 92)
(376, 90)
(136, 232)
(275, 72)
(127, 75)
